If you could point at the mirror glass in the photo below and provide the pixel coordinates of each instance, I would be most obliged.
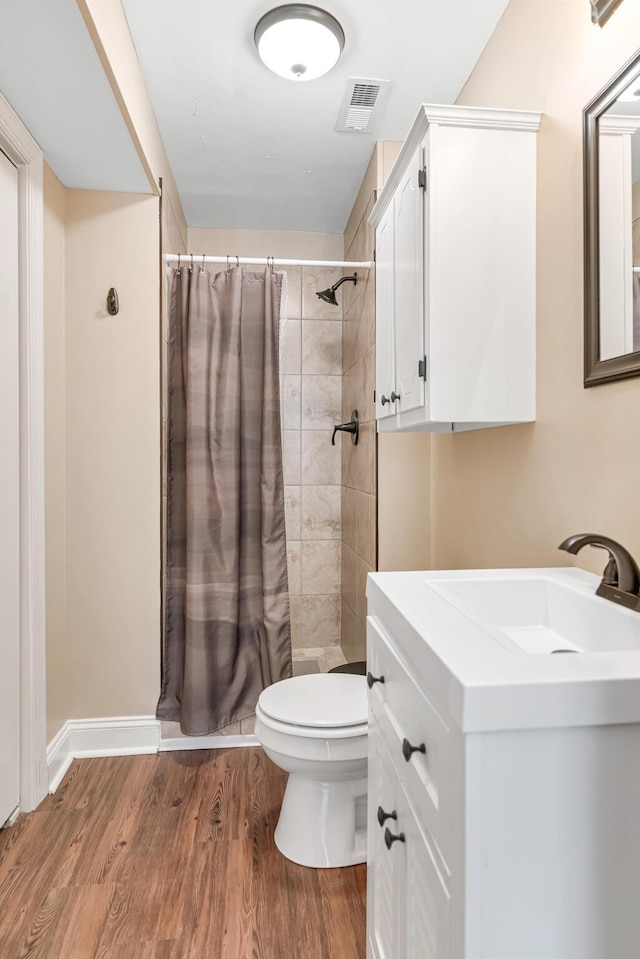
(612, 224)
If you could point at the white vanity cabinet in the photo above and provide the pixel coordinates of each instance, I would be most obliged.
(455, 273)
(407, 892)
(509, 784)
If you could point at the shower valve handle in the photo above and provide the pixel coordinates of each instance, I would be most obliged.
(353, 427)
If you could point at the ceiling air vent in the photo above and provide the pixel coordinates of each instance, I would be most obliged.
(362, 105)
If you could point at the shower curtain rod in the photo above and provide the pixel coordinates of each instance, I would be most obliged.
(234, 260)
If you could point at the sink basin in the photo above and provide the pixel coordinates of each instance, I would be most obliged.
(487, 640)
(540, 615)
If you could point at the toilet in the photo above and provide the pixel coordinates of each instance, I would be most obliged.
(315, 728)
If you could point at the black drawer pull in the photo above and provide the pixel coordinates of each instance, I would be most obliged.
(389, 838)
(371, 679)
(383, 816)
(408, 750)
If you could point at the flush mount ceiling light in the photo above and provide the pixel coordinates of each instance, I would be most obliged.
(298, 41)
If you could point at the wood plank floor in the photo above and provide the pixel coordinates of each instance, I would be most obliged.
(170, 857)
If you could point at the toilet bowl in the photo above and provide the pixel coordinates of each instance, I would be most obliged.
(315, 728)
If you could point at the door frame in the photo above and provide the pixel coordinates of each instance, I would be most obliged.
(24, 152)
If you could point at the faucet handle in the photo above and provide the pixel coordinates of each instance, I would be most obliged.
(610, 574)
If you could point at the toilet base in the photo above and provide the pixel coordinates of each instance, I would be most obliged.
(323, 824)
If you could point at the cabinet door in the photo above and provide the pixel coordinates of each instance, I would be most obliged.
(426, 909)
(409, 286)
(385, 351)
(386, 867)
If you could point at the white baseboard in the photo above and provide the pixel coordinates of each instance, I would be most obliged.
(59, 757)
(84, 738)
(206, 742)
(122, 736)
(12, 818)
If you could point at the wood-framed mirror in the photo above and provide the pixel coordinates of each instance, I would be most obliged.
(611, 136)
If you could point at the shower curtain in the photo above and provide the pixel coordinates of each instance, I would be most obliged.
(227, 630)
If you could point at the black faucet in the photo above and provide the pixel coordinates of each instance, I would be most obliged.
(621, 578)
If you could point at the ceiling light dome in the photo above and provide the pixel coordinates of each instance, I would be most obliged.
(298, 41)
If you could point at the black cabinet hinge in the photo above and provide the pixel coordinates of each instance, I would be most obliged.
(422, 178)
(422, 368)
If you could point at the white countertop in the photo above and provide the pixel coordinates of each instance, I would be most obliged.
(478, 681)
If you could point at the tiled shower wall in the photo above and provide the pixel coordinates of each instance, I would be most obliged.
(312, 404)
(359, 515)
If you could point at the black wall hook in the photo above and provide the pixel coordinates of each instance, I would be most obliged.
(113, 306)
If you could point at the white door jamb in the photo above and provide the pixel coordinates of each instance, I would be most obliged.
(21, 148)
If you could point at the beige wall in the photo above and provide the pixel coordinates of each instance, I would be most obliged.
(113, 454)
(55, 454)
(101, 454)
(289, 246)
(507, 497)
(404, 501)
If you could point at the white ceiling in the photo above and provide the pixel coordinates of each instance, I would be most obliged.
(250, 150)
(51, 75)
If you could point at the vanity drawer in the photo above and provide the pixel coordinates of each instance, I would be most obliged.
(415, 734)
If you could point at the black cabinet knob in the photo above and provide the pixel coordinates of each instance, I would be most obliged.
(408, 750)
(384, 399)
(371, 679)
(394, 396)
(383, 816)
(389, 838)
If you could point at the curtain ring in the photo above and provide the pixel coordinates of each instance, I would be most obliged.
(237, 262)
(179, 271)
(270, 263)
(191, 267)
(228, 267)
(202, 269)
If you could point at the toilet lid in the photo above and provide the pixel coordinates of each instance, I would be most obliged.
(322, 699)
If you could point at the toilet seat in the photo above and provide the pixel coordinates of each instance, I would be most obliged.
(311, 732)
(326, 702)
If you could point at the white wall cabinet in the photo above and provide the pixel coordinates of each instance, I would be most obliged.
(455, 273)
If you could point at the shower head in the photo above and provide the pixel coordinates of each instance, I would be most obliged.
(329, 296)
